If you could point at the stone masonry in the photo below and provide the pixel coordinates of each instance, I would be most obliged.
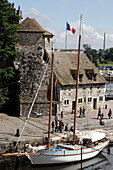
(31, 64)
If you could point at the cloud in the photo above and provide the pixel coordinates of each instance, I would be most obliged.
(90, 35)
(43, 20)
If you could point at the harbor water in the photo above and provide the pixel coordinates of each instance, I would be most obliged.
(102, 161)
(109, 87)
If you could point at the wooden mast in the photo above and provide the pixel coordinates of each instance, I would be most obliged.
(77, 82)
(51, 95)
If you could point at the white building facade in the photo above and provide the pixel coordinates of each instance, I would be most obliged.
(91, 90)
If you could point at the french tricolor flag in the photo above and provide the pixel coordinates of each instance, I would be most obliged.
(70, 28)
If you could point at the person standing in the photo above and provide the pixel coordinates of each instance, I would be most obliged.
(60, 126)
(80, 112)
(62, 114)
(101, 121)
(53, 127)
(66, 127)
(99, 113)
(56, 119)
(84, 111)
(102, 115)
(56, 123)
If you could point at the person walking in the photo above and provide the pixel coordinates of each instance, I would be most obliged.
(109, 113)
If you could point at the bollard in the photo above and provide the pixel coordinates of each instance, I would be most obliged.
(17, 133)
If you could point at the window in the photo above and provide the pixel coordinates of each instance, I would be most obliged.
(66, 102)
(99, 91)
(80, 100)
(89, 99)
(101, 98)
(91, 88)
(48, 39)
(85, 100)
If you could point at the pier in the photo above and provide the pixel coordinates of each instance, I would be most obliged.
(108, 78)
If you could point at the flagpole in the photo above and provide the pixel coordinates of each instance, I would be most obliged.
(77, 82)
(66, 37)
(50, 109)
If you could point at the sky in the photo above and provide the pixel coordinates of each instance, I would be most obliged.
(52, 15)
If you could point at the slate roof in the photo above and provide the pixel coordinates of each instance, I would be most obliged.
(65, 61)
(31, 25)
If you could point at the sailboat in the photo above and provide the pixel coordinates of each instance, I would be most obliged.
(84, 146)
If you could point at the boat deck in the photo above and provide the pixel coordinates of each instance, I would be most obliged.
(68, 146)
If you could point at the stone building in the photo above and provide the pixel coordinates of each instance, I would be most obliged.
(33, 70)
(91, 92)
(35, 45)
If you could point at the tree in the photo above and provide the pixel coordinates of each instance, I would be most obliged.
(8, 38)
(101, 54)
(92, 54)
(109, 54)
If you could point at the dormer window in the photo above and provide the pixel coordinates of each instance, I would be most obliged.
(89, 73)
(74, 74)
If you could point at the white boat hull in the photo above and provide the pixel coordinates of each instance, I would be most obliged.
(65, 156)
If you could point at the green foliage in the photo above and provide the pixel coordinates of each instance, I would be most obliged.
(3, 95)
(91, 54)
(109, 54)
(8, 38)
(98, 57)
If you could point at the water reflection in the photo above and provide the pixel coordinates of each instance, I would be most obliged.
(104, 161)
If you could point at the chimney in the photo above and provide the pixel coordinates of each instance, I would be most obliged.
(19, 12)
(13, 6)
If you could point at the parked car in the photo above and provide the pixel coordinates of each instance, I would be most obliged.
(110, 73)
(109, 97)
